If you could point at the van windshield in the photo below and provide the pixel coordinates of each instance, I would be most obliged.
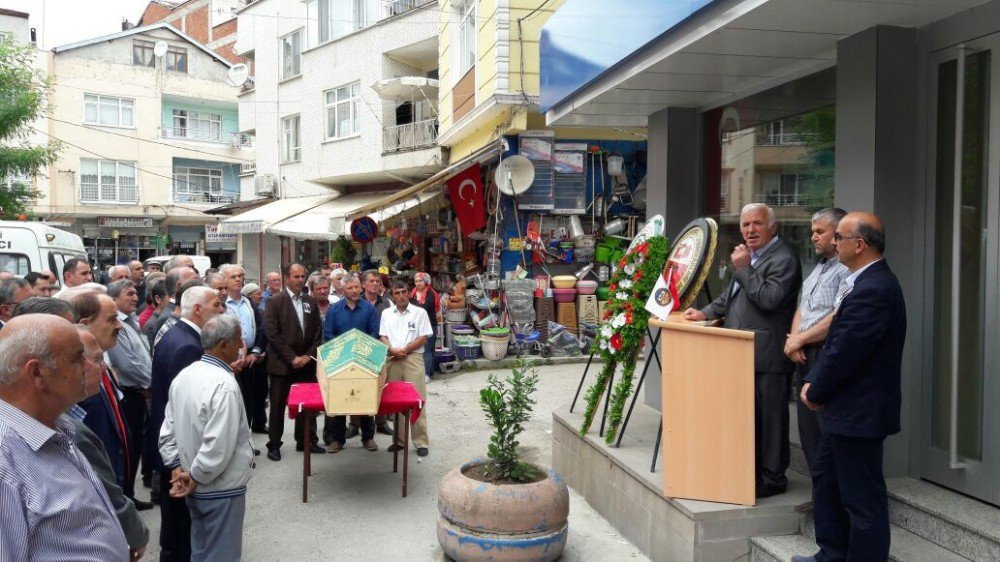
(18, 264)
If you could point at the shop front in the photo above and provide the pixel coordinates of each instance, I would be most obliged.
(118, 240)
(888, 107)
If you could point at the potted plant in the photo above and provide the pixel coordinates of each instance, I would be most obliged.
(503, 508)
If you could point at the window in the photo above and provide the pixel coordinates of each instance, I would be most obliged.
(291, 55)
(342, 111)
(332, 19)
(142, 53)
(16, 181)
(196, 125)
(290, 149)
(176, 59)
(107, 181)
(467, 36)
(108, 111)
(198, 185)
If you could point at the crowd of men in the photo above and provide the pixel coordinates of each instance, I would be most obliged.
(840, 334)
(161, 377)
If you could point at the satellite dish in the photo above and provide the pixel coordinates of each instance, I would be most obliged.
(515, 174)
(238, 74)
(160, 48)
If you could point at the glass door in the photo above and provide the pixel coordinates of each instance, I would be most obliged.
(961, 425)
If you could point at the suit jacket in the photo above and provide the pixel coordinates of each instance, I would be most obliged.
(765, 304)
(260, 337)
(178, 348)
(285, 337)
(101, 420)
(857, 376)
(90, 445)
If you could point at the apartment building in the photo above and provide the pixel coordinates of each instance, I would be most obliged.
(209, 22)
(148, 122)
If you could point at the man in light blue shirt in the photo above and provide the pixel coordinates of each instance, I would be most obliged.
(52, 505)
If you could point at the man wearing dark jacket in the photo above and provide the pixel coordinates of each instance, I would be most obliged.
(855, 388)
(762, 299)
(179, 347)
(294, 331)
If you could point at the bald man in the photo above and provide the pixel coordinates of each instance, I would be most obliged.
(63, 511)
(855, 388)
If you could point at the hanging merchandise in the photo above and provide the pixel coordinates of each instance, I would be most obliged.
(537, 146)
(569, 195)
(466, 193)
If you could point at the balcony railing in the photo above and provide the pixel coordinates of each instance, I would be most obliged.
(784, 199)
(396, 7)
(410, 136)
(785, 139)
(204, 197)
(187, 133)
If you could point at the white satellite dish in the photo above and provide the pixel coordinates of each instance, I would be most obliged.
(515, 174)
(160, 49)
(238, 74)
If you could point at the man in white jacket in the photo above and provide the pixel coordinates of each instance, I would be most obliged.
(205, 439)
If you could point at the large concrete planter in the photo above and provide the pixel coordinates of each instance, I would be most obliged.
(502, 522)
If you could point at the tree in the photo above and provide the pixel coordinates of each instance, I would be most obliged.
(23, 93)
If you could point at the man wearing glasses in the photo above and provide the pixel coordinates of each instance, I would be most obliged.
(856, 385)
(813, 316)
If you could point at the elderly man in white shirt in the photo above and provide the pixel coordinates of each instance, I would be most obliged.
(405, 329)
(205, 439)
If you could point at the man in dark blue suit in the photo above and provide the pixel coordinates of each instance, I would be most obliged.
(178, 348)
(855, 387)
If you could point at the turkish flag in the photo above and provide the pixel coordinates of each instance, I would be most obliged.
(466, 192)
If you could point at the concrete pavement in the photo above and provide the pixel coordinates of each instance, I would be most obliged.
(355, 510)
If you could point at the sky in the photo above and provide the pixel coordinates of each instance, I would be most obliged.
(70, 21)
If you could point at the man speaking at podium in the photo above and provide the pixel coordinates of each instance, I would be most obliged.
(762, 298)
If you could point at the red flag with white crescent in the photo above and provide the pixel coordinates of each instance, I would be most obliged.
(466, 192)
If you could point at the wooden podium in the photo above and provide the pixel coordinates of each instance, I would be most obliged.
(708, 412)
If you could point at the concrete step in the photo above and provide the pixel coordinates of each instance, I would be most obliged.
(906, 547)
(960, 524)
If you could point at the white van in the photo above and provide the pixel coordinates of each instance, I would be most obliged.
(34, 246)
(201, 263)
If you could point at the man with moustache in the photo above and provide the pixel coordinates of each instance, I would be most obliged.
(138, 277)
(856, 385)
(76, 272)
(179, 347)
(54, 505)
(291, 322)
(12, 292)
(812, 318)
(761, 299)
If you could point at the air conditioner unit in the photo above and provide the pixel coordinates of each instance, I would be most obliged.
(265, 184)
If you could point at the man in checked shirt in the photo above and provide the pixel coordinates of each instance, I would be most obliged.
(812, 318)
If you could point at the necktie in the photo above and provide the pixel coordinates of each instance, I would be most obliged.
(109, 389)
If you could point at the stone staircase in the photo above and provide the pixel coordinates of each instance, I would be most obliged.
(929, 524)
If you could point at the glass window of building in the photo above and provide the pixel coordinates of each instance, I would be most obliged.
(108, 181)
(108, 111)
(291, 151)
(291, 54)
(176, 59)
(142, 53)
(776, 147)
(467, 37)
(342, 111)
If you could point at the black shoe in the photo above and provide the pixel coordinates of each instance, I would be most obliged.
(393, 448)
(803, 559)
(274, 454)
(316, 449)
(352, 432)
(256, 452)
(155, 497)
(260, 429)
(768, 490)
(385, 429)
(141, 505)
(147, 481)
(422, 451)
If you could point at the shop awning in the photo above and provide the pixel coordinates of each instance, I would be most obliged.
(329, 220)
(485, 153)
(259, 220)
(723, 51)
(407, 88)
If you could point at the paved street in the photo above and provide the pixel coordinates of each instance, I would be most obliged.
(355, 511)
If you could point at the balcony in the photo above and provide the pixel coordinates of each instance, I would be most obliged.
(396, 7)
(187, 133)
(204, 197)
(784, 199)
(410, 136)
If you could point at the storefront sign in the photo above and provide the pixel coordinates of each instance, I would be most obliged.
(124, 222)
(213, 236)
(250, 227)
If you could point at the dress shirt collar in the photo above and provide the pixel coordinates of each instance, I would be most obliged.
(754, 256)
(293, 295)
(192, 324)
(122, 317)
(76, 412)
(404, 312)
(238, 301)
(853, 277)
(35, 433)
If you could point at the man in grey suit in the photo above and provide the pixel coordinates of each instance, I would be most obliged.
(762, 298)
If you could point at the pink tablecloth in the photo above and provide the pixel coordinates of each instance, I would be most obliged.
(396, 397)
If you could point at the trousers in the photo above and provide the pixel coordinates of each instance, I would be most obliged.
(280, 385)
(217, 528)
(810, 421)
(411, 370)
(771, 422)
